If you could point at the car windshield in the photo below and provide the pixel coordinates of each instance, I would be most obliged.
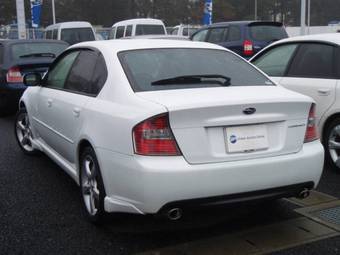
(76, 35)
(267, 33)
(165, 69)
(150, 30)
(35, 50)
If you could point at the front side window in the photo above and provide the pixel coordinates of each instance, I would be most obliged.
(200, 36)
(55, 34)
(274, 62)
(128, 30)
(217, 35)
(120, 32)
(112, 33)
(58, 74)
(314, 60)
(164, 69)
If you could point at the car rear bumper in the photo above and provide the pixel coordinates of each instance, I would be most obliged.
(137, 184)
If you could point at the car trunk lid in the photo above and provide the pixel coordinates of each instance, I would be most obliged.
(227, 124)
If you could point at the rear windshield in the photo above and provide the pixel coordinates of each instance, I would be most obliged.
(23, 50)
(76, 35)
(145, 67)
(267, 33)
(150, 30)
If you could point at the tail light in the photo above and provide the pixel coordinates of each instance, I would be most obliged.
(14, 75)
(311, 132)
(153, 137)
(248, 49)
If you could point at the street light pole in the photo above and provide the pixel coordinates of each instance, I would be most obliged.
(303, 17)
(308, 19)
(53, 12)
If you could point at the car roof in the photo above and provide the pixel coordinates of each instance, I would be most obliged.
(139, 21)
(164, 37)
(71, 24)
(17, 41)
(247, 22)
(327, 38)
(119, 45)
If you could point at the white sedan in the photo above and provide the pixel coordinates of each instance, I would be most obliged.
(158, 126)
(310, 65)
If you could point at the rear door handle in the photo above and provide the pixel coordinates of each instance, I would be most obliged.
(76, 112)
(324, 92)
(49, 102)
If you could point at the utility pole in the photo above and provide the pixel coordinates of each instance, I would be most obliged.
(308, 20)
(256, 10)
(303, 17)
(53, 12)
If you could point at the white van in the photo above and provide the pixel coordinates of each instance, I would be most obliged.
(184, 30)
(71, 32)
(135, 27)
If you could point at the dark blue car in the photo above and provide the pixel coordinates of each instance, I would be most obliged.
(18, 57)
(246, 38)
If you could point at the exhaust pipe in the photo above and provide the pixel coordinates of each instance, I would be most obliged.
(174, 214)
(304, 194)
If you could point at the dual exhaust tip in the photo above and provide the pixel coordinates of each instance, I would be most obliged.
(175, 214)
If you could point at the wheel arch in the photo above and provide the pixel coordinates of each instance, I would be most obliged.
(329, 120)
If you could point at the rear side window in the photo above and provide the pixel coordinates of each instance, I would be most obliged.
(275, 61)
(314, 60)
(200, 36)
(88, 73)
(217, 35)
(267, 33)
(146, 68)
(128, 30)
(120, 32)
(55, 34)
(234, 34)
(76, 35)
(150, 30)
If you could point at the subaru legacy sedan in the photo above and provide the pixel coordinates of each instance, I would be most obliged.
(161, 126)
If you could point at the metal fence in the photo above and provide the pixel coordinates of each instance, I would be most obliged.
(10, 33)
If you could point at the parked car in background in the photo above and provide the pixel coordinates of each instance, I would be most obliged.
(246, 38)
(136, 27)
(310, 65)
(148, 127)
(184, 30)
(18, 57)
(71, 32)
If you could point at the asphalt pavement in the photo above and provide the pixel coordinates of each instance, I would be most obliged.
(40, 213)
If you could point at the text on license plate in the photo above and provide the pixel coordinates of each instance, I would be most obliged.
(247, 138)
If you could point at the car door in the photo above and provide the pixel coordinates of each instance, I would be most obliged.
(312, 72)
(62, 100)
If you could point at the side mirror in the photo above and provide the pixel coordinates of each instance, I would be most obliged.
(32, 79)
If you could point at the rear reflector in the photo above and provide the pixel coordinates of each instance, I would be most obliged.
(153, 137)
(248, 48)
(14, 75)
(311, 131)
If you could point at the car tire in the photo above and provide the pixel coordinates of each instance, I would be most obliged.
(91, 186)
(23, 133)
(331, 142)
